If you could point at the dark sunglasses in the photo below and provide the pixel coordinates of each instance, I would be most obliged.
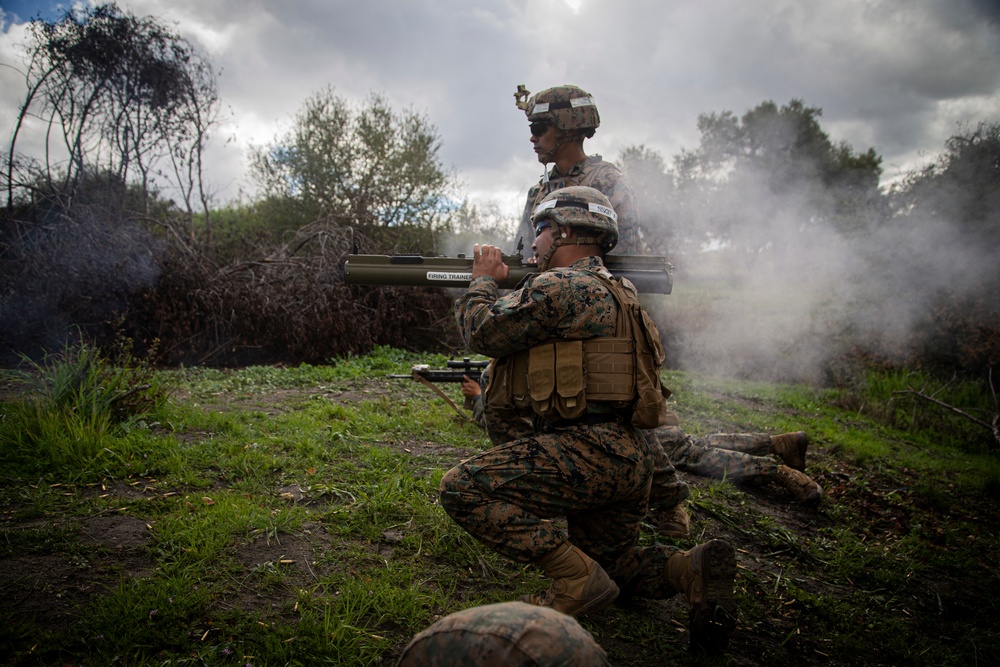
(539, 128)
(541, 227)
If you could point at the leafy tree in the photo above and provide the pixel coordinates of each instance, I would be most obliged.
(944, 240)
(366, 166)
(773, 172)
(962, 185)
(655, 197)
(118, 94)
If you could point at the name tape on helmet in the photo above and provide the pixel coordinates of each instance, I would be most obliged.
(543, 107)
(600, 209)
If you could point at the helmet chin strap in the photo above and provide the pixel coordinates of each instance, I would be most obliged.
(562, 138)
(560, 241)
(543, 261)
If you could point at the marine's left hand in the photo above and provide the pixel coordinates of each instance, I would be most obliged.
(470, 387)
(488, 261)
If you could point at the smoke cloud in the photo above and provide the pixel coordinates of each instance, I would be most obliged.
(814, 294)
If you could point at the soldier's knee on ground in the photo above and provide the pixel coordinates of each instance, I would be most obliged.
(497, 635)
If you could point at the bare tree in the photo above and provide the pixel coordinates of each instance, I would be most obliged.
(115, 93)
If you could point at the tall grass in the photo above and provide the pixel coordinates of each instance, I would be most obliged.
(80, 410)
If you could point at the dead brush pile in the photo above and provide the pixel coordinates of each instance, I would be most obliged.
(291, 305)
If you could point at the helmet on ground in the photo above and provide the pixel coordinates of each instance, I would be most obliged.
(580, 207)
(503, 634)
(567, 107)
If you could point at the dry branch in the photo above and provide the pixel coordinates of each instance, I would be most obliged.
(994, 427)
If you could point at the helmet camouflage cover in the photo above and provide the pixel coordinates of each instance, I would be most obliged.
(580, 207)
(504, 634)
(567, 107)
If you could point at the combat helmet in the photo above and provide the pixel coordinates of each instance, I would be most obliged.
(569, 108)
(580, 207)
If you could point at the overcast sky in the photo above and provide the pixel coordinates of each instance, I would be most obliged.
(897, 75)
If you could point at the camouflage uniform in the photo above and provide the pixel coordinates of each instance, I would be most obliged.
(596, 471)
(668, 490)
(743, 457)
(510, 634)
(604, 177)
(479, 410)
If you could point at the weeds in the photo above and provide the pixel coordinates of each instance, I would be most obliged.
(893, 397)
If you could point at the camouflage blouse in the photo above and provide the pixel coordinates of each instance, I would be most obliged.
(595, 173)
(569, 303)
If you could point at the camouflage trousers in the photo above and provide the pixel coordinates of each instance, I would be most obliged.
(742, 457)
(597, 477)
(667, 490)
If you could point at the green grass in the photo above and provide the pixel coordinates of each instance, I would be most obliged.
(289, 516)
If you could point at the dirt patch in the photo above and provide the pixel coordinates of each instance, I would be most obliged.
(277, 552)
(430, 450)
(49, 589)
(117, 533)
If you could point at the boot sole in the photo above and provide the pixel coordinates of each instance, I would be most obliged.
(803, 446)
(798, 460)
(713, 621)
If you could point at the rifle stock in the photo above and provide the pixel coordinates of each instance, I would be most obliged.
(650, 275)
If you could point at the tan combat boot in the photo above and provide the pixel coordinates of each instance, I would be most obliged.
(800, 484)
(580, 585)
(705, 575)
(673, 522)
(791, 447)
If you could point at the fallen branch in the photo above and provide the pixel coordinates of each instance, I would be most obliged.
(994, 427)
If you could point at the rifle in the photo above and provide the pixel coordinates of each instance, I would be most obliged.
(650, 275)
(456, 372)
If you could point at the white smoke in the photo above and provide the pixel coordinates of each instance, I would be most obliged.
(791, 309)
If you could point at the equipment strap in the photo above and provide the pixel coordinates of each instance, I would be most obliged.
(417, 376)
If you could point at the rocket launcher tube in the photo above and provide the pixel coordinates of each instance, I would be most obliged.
(650, 275)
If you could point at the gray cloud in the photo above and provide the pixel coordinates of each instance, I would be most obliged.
(896, 75)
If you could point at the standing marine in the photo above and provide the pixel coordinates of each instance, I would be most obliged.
(560, 119)
(577, 355)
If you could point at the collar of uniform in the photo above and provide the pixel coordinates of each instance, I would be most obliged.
(576, 169)
(592, 262)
